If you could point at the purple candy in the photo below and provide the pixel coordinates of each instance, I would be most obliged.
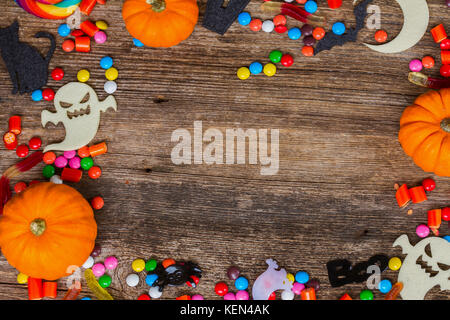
(75, 163)
(60, 162)
(69, 154)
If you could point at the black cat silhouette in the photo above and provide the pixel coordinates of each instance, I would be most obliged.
(27, 68)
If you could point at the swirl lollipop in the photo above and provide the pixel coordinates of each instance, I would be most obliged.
(49, 9)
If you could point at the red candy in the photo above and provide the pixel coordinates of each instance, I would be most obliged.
(221, 289)
(57, 74)
(445, 44)
(287, 60)
(68, 45)
(35, 143)
(429, 184)
(95, 172)
(281, 29)
(22, 151)
(144, 297)
(273, 296)
(445, 70)
(15, 124)
(445, 214)
(77, 33)
(10, 140)
(97, 203)
(20, 186)
(48, 94)
(72, 175)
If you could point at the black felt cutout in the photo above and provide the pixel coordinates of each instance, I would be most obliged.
(341, 272)
(219, 19)
(330, 40)
(27, 69)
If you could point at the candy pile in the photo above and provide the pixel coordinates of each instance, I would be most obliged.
(82, 42)
(269, 69)
(11, 139)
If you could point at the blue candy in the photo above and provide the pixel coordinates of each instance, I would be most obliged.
(151, 278)
(311, 6)
(86, 298)
(447, 238)
(63, 30)
(106, 62)
(241, 283)
(36, 95)
(302, 277)
(385, 286)
(138, 43)
(338, 28)
(255, 67)
(294, 33)
(244, 18)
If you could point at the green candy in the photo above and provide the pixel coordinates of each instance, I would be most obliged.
(150, 265)
(366, 295)
(104, 281)
(48, 171)
(275, 56)
(87, 163)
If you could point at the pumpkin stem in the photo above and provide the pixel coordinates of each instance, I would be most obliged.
(445, 125)
(157, 5)
(38, 226)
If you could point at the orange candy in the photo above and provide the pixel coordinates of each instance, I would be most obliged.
(35, 289)
(434, 219)
(97, 203)
(15, 125)
(308, 294)
(308, 51)
(84, 152)
(20, 186)
(89, 28)
(83, 44)
(255, 25)
(168, 262)
(402, 195)
(86, 6)
(98, 149)
(395, 291)
(50, 289)
(184, 297)
(68, 45)
(345, 296)
(279, 20)
(428, 62)
(49, 157)
(445, 56)
(318, 33)
(417, 194)
(301, 1)
(381, 36)
(10, 140)
(95, 172)
(438, 33)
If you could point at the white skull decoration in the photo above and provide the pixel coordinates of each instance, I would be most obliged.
(78, 108)
(426, 265)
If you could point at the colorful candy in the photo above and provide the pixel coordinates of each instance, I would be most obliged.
(132, 280)
(243, 73)
(61, 162)
(270, 69)
(111, 263)
(395, 263)
(428, 62)
(422, 231)
(415, 65)
(22, 151)
(244, 18)
(221, 289)
(98, 149)
(381, 36)
(95, 172)
(294, 33)
(71, 175)
(366, 295)
(138, 265)
(308, 294)
(438, 33)
(83, 75)
(97, 203)
(268, 26)
(241, 283)
(255, 68)
(417, 194)
(338, 28)
(112, 74)
(302, 277)
(48, 171)
(82, 44)
(98, 269)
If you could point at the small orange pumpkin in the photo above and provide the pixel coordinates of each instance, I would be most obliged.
(425, 132)
(46, 229)
(160, 23)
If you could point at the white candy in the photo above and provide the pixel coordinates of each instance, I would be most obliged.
(154, 293)
(132, 280)
(268, 26)
(288, 0)
(110, 87)
(57, 180)
(287, 295)
(89, 263)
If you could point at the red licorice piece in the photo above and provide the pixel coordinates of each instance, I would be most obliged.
(71, 175)
(10, 140)
(86, 6)
(15, 125)
(294, 12)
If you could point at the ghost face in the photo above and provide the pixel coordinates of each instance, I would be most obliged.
(426, 266)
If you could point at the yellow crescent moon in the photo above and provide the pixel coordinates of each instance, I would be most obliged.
(416, 17)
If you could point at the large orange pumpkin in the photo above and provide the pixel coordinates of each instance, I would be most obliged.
(160, 23)
(425, 132)
(46, 229)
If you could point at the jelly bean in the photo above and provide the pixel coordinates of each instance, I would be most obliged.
(229, 296)
(22, 278)
(105, 281)
(88, 263)
(57, 74)
(95, 172)
(111, 263)
(338, 28)
(197, 297)
(297, 288)
(151, 278)
(415, 65)
(243, 73)
(36, 95)
(366, 295)
(279, 20)
(255, 68)
(48, 94)
(270, 69)
(275, 56)
(287, 60)
(244, 18)
(307, 29)
(268, 26)
(106, 62)
(422, 230)
(428, 62)
(233, 273)
(102, 25)
(132, 280)
(84, 152)
(144, 297)
(22, 151)
(318, 33)
(241, 283)
(83, 75)
(155, 293)
(112, 74)
(35, 143)
(429, 184)
(98, 269)
(381, 36)
(138, 43)
(221, 289)
(64, 30)
(68, 45)
(86, 163)
(287, 295)
(395, 263)
(97, 203)
(242, 295)
(20, 186)
(138, 265)
(255, 25)
(61, 162)
(56, 179)
(311, 6)
(110, 87)
(294, 33)
(445, 70)
(385, 286)
(75, 163)
(151, 265)
(100, 37)
(309, 41)
(96, 251)
(302, 277)
(48, 171)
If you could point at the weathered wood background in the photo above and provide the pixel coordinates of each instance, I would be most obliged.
(338, 115)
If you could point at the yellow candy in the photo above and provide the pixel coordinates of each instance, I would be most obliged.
(22, 278)
(290, 277)
(270, 69)
(83, 75)
(395, 263)
(138, 265)
(102, 25)
(112, 74)
(243, 73)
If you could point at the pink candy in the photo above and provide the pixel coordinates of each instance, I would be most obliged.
(415, 65)
(98, 269)
(242, 295)
(229, 296)
(69, 154)
(75, 163)
(297, 288)
(197, 297)
(100, 37)
(422, 231)
(61, 162)
(111, 263)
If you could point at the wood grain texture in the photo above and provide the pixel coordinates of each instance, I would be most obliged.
(338, 115)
